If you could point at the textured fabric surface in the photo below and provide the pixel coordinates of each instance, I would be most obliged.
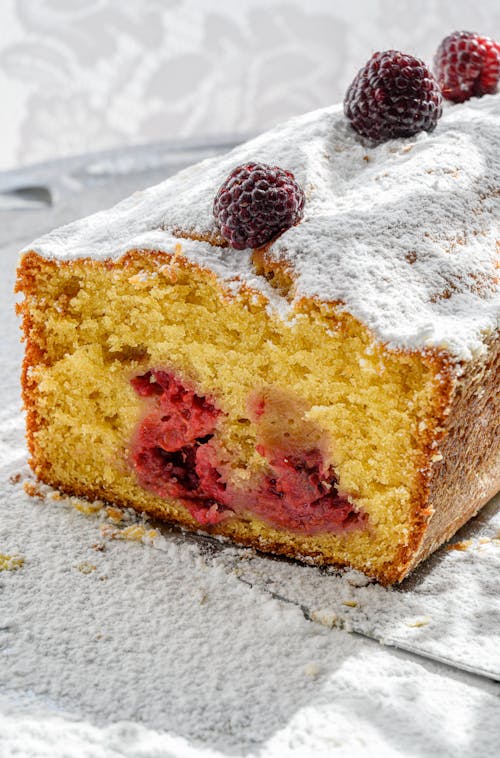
(78, 76)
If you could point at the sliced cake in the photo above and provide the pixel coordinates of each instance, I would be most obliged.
(331, 395)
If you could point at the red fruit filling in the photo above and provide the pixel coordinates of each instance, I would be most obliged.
(301, 496)
(181, 417)
(175, 455)
(167, 451)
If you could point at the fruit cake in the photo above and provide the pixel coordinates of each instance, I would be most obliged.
(329, 394)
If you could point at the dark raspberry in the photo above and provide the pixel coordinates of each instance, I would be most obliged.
(467, 65)
(256, 203)
(393, 95)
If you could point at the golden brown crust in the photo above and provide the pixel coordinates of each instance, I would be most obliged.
(33, 355)
(460, 464)
(466, 472)
(279, 274)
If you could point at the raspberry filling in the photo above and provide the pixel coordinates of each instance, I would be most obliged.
(175, 454)
(301, 496)
(167, 450)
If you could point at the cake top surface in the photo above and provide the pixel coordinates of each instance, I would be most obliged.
(404, 235)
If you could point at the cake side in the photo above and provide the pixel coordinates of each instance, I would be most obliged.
(466, 472)
(318, 391)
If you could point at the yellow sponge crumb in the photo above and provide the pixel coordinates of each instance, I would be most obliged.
(97, 325)
(133, 533)
(10, 562)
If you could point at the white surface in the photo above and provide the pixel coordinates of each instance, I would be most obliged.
(162, 650)
(432, 196)
(78, 76)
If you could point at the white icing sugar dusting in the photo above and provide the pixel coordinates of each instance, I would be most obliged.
(404, 234)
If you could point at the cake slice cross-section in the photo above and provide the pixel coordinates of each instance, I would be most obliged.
(332, 396)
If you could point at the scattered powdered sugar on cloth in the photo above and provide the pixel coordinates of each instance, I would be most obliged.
(404, 234)
(448, 609)
(114, 646)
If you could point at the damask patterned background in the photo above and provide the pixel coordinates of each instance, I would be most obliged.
(80, 75)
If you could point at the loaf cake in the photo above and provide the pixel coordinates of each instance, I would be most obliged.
(331, 396)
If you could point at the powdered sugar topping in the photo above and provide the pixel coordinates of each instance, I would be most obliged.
(405, 235)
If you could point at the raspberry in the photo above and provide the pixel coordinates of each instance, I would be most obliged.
(299, 495)
(169, 452)
(256, 203)
(393, 95)
(467, 65)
